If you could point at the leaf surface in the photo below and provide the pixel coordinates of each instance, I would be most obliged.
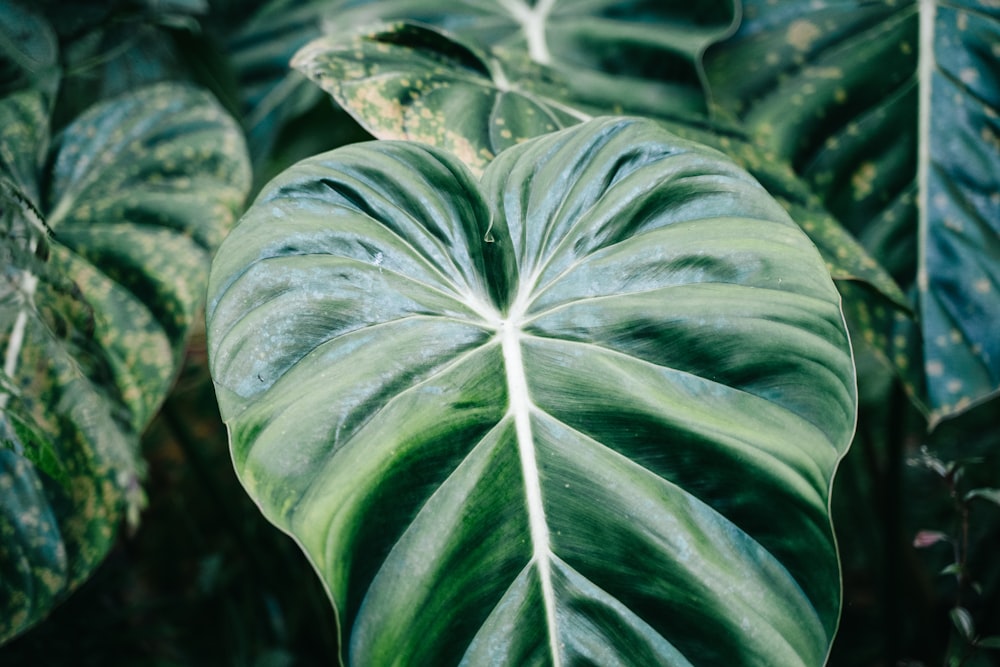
(616, 48)
(905, 154)
(544, 417)
(626, 45)
(406, 81)
(106, 252)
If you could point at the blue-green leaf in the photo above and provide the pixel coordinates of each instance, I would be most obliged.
(545, 417)
(106, 252)
(906, 154)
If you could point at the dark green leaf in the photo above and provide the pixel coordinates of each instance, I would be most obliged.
(33, 559)
(905, 154)
(28, 52)
(407, 81)
(22, 435)
(959, 180)
(546, 417)
(139, 191)
(272, 93)
(635, 42)
(635, 52)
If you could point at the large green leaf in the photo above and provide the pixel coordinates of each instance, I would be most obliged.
(905, 154)
(102, 278)
(586, 409)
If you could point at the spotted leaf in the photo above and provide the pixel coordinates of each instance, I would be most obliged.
(636, 48)
(406, 81)
(102, 279)
(542, 417)
(906, 154)
(635, 42)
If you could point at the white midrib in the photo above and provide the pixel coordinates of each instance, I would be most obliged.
(532, 21)
(520, 409)
(29, 283)
(925, 75)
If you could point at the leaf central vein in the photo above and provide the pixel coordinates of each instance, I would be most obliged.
(520, 410)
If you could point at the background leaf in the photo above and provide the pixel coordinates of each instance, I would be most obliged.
(608, 48)
(917, 188)
(136, 194)
(28, 51)
(545, 414)
(406, 81)
(633, 42)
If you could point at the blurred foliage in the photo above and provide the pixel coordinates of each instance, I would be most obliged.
(205, 580)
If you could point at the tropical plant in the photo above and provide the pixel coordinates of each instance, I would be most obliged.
(520, 359)
(108, 229)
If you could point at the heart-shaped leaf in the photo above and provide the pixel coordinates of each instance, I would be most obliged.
(587, 409)
(102, 279)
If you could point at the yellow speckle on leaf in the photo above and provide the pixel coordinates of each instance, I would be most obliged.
(990, 137)
(801, 34)
(863, 180)
(982, 286)
(954, 386)
(935, 368)
(969, 75)
(824, 72)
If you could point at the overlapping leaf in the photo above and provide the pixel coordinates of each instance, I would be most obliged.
(906, 156)
(626, 45)
(545, 417)
(106, 252)
(405, 81)
(614, 47)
